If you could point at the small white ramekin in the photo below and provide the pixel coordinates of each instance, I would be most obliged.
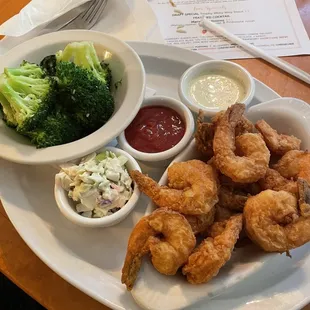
(161, 159)
(215, 66)
(67, 205)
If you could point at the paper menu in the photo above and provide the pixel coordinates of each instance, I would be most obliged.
(274, 25)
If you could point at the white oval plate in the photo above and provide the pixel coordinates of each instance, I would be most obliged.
(124, 63)
(91, 259)
(156, 291)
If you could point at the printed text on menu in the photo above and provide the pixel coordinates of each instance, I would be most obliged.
(272, 25)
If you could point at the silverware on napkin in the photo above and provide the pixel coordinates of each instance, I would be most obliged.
(68, 17)
(82, 17)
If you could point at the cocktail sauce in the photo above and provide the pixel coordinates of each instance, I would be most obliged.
(155, 129)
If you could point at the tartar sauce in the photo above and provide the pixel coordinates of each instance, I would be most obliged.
(216, 91)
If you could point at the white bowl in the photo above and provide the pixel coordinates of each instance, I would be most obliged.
(162, 158)
(67, 205)
(216, 66)
(124, 63)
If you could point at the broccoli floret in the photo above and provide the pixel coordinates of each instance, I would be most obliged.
(7, 112)
(26, 69)
(83, 96)
(29, 96)
(83, 54)
(58, 128)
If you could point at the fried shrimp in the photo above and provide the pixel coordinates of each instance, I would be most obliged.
(275, 181)
(171, 252)
(277, 143)
(204, 136)
(294, 164)
(243, 125)
(253, 164)
(231, 199)
(182, 174)
(273, 222)
(200, 223)
(137, 247)
(168, 254)
(205, 132)
(207, 259)
(193, 191)
(218, 228)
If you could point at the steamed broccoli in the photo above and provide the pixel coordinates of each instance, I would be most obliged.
(26, 99)
(84, 55)
(26, 69)
(58, 128)
(84, 97)
(64, 99)
(7, 112)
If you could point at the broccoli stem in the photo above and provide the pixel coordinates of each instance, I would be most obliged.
(91, 61)
(27, 96)
(28, 85)
(8, 112)
(26, 69)
(22, 107)
(83, 54)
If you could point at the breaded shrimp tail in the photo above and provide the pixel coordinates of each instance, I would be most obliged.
(137, 248)
(226, 124)
(146, 184)
(277, 143)
(275, 181)
(234, 114)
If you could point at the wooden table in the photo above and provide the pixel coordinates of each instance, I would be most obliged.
(27, 271)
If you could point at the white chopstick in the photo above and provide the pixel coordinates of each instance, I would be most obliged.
(256, 51)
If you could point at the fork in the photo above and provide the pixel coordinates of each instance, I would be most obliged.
(88, 18)
(67, 18)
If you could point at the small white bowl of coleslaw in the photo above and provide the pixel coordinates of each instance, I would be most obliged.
(97, 190)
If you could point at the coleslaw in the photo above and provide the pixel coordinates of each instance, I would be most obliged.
(100, 184)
